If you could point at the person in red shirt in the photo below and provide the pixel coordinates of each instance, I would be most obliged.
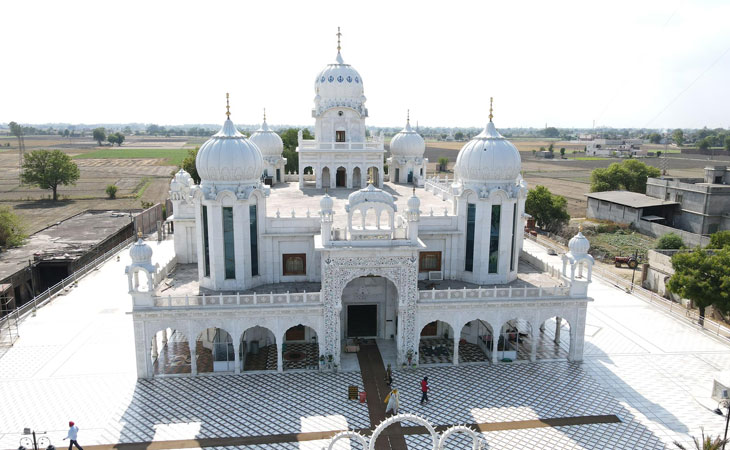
(424, 390)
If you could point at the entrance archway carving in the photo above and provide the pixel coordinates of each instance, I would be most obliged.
(402, 271)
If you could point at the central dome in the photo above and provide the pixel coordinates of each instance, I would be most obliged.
(488, 158)
(339, 81)
(228, 157)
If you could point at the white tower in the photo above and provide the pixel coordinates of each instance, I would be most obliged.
(406, 163)
(340, 155)
(272, 147)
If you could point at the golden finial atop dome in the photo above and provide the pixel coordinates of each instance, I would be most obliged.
(491, 99)
(228, 107)
(339, 35)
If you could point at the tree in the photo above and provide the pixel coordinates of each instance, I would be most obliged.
(562, 151)
(669, 241)
(552, 132)
(290, 140)
(705, 143)
(458, 135)
(111, 191)
(726, 144)
(443, 163)
(550, 211)
(707, 443)
(658, 153)
(655, 138)
(678, 136)
(703, 278)
(188, 164)
(48, 169)
(116, 138)
(66, 132)
(720, 239)
(99, 134)
(12, 229)
(630, 175)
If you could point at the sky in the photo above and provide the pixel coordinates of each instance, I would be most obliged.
(653, 64)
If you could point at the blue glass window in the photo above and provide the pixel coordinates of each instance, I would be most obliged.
(357, 79)
(494, 239)
(322, 79)
(340, 79)
(228, 248)
(206, 247)
(331, 79)
(254, 240)
(471, 216)
(349, 79)
(514, 233)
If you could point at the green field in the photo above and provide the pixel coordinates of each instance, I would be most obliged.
(172, 156)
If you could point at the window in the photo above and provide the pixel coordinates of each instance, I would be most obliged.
(228, 248)
(295, 263)
(429, 261)
(678, 198)
(494, 239)
(339, 136)
(254, 236)
(471, 216)
(206, 247)
(514, 232)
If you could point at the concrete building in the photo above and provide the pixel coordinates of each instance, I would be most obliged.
(615, 147)
(691, 207)
(293, 277)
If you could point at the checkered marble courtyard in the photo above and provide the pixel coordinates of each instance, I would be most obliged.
(75, 361)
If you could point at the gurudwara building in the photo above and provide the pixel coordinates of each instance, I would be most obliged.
(296, 275)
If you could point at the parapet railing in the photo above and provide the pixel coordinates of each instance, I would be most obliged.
(439, 186)
(496, 292)
(43, 298)
(252, 300)
(318, 145)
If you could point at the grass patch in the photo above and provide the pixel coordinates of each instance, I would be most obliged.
(621, 243)
(172, 156)
(141, 187)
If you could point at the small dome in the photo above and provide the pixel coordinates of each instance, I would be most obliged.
(579, 244)
(140, 252)
(414, 203)
(370, 194)
(229, 157)
(326, 204)
(407, 143)
(267, 140)
(488, 157)
(339, 81)
(181, 180)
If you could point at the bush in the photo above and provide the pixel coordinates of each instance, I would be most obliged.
(443, 162)
(669, 241)
(111, 191)
(720, 239)
(12, 229)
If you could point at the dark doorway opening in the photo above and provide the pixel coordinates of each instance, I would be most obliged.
(50, 274)
(410, 176)
(278, 175)
(339, 136)
(397, 175)
(341, 177)
(362, 320)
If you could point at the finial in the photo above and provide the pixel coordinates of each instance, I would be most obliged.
(338, 39)
(580, 228)
(228, 107)
(408, 116)
(264, 114)
(414, 191)
(491, 99)
(139, 233)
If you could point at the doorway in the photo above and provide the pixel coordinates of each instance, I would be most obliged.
(339, 136)
(362, 321)
(397, 176)
(341, 177)
(410, 176)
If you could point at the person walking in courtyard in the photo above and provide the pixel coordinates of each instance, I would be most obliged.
(389, 375)
(393, 402)
(73, 433)
(424, 390)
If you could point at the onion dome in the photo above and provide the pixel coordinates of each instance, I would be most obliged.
(414, 203)
(370, 194)
(579, 244)
(181, 180)
(339, 80)
(326, 204)
(229, 157)
(488, 157)
(267, 140)
(407, 143)
(140, 252)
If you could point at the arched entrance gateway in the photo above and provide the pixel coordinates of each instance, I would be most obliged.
(369, 308)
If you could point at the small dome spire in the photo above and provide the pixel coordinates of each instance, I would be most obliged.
(579, 244)
(141, 253)
(326, 203)
(414, 203)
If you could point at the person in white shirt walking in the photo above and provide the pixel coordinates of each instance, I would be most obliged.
(73, 434)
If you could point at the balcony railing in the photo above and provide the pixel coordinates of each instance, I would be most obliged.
(497, 293)
(248, 300)
(336, 146)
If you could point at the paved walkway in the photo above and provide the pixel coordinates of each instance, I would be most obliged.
(75, 361)
(373, 378)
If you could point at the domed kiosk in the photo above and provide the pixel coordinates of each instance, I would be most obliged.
(272, 147)
(406, 163)
(340, 155)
